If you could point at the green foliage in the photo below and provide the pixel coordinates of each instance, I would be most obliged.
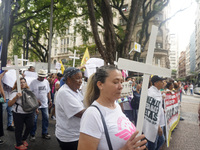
(37, 14)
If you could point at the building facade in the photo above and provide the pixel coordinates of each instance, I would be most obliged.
(187, 61)
(61, 45)
(173, 53)
(192, 53)
(197, 38)
(182, 65)
(161, 52)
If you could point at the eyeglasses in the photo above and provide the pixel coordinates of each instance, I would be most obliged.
(22, 82)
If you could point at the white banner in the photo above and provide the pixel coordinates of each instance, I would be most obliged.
(30, 74)
(172, 113)
(9, 78)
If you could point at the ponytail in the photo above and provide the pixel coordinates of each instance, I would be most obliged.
(92, 92)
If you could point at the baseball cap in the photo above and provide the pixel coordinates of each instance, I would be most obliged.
(156, 78)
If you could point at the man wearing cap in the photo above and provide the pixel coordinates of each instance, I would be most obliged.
(154, 117)
(40, 87)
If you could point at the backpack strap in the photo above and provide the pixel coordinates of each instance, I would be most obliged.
(15, 102)
(105, 128)
(16, 107)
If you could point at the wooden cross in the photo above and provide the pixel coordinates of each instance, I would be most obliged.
(147, 69)
(22, 60)
(16, 68)
(74, 58)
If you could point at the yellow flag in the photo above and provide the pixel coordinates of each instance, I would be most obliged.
(62, 67)
(85, 58)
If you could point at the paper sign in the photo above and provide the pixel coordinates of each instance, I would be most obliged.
(9, 78)
(58, 66)
(30, 74)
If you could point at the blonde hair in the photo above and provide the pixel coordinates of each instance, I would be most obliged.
(93, 92)
(89, 96)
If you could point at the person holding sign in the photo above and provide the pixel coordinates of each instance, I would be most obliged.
(104, 88)
(154, 117)
(20, 116)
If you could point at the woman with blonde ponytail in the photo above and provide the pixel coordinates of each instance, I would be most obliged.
(90, 93)
(104, 122)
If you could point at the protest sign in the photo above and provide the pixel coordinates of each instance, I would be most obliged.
(9, 78)
(172, 113)
(30, 76)
(58, 66)
(127, 92)
(151, 118)
(91, 65)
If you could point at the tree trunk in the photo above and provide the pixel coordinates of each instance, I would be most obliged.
(133, 17)
(110, 37)
(94, 26)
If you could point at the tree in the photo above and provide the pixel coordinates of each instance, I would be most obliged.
(114, 38)
(37, 14)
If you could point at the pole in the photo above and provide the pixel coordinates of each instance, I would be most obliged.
(74, 58)
(50, 37)
(138, 72)
(5, 33)
(24, 48)
(27, 44)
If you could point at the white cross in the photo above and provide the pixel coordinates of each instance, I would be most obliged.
(17, 68)
(22, 60)
(74, 58)
(148, 69)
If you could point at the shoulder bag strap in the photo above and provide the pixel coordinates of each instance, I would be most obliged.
(105, 129)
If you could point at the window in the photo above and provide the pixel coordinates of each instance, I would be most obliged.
(64, 41)
(67, 30)
(138, 36)
(55, 51)
(158, 45)
(122, 22)
(74, 40)
(140, 19)
(67, 41)
(157, 61)
(159, 32)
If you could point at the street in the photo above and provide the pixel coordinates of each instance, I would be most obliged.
(186, 136)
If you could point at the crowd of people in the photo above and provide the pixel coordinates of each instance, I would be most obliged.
(92, 121)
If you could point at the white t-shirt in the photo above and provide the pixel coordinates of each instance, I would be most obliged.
(67, 104)
(18, 101)
(151, 129)
(40, 89)
(119, 127)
